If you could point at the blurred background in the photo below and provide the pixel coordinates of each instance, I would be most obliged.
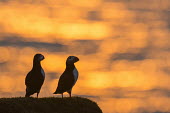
(123, 47)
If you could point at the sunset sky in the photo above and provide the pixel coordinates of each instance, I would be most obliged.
(123, 47)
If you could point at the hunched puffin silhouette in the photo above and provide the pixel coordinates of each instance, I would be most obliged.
(69, 77)
(35, 78)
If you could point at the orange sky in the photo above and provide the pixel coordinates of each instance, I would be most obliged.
(123, 49)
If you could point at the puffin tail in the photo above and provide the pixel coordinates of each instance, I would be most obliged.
(57, 92)
(27, 95)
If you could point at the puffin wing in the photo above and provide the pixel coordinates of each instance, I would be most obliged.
(66, 82)
(28, 79)
(34, 82)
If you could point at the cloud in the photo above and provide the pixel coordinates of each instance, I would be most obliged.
(129, 56)
(45, 19)
(85, 47)
(19, 42)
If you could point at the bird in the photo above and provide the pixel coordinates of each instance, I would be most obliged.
(68, 78)
(35, 78)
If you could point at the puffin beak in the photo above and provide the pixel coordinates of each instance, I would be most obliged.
(76, 59)
(42, 58)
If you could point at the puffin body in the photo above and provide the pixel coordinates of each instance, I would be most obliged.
(35, 78)
(69, 77)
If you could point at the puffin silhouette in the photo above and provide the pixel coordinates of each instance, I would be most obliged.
(69, 77)
(35, 78)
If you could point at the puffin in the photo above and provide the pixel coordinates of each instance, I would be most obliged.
(69, 77)
(35, 78)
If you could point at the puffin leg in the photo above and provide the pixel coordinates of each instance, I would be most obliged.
(62, 95)
(69, 92)
(37, 94)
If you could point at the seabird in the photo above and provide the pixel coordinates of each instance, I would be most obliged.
(35, 78)
(69, 77)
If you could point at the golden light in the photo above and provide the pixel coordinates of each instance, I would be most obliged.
(54, 63)
(5, 54)
(6, 84)
(99, 80)
(97, 31)
(85, 3)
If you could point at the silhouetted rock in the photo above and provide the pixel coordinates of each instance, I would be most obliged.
(48, 105)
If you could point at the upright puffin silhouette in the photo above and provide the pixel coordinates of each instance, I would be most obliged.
(35, 78)
(69, 77)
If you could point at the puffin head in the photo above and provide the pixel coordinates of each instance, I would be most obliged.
(39, 57)
(72, 59)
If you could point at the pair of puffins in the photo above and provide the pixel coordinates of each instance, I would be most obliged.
(35, 78)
